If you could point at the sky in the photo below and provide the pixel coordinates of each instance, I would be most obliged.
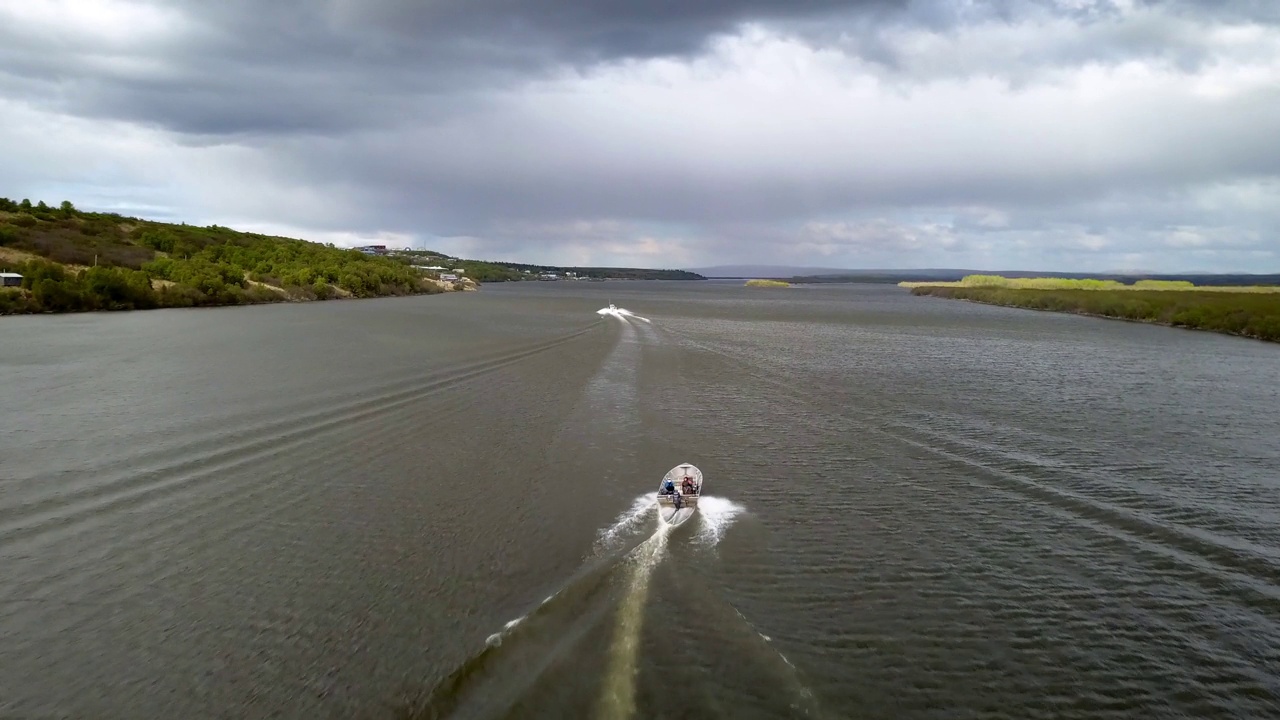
(1071, 135)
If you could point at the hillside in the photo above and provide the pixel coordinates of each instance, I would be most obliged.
(73, 261)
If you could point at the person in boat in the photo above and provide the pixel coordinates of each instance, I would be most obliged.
(686, 486)
(668, 488)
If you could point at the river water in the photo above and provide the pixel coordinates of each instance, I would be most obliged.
(434, 507)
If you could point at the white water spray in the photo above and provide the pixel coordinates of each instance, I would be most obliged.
(618, 698)
(620, 313)
(627, 521)
(496, 639)
(717, 515)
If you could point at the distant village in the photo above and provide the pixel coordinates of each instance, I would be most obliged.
(446, 269)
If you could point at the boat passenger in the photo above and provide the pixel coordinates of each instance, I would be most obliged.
(668, 488)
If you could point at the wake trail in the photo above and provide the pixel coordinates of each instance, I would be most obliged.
(518, 657)
(515, 657)
(810, 701)
(627, 522)
(618, 691)
(618, 696)
(804, 701)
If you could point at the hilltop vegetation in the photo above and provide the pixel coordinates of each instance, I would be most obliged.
(1247, 311)
(73, 260)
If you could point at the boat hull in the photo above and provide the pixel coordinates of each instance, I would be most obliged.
(673, 517)
(676, 508)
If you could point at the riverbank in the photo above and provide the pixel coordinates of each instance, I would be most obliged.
(1057, 283)
(73, 261)
(1253, 313)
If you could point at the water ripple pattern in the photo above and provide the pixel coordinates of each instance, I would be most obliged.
(441, 507)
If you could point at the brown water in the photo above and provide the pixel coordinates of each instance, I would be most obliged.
(918, 508)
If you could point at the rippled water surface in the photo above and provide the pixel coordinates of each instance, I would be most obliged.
(435, 507)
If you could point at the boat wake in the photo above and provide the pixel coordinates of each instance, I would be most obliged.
(628, 521)
(714, 517)
(618, 691)
(620, 313)
(716, 514)
(599, 612)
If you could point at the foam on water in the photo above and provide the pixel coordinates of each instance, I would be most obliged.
(627, 521)
(717, 515)
(495, 639)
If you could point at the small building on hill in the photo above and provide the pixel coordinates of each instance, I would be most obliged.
(10, 279)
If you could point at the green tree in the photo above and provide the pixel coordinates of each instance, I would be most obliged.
(161, 240)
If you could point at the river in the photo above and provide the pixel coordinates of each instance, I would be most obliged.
(436, 507)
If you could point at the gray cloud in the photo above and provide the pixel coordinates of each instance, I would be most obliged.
(241, 67)
(904, 132)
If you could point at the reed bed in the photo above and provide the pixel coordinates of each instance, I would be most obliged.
(1246, 313)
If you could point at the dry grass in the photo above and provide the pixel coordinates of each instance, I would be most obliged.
(12, 257)
(996, 281)
(1251, 314)
(273, 288)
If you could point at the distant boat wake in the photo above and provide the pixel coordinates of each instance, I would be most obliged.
(620, 313)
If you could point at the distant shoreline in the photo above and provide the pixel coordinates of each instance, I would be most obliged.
(59, 259)
(928, 275)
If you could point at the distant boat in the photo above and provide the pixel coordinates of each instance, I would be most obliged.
(678, 494)
(620, 313)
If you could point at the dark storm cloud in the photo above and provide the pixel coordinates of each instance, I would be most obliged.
(298, 65)
(245, 67)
